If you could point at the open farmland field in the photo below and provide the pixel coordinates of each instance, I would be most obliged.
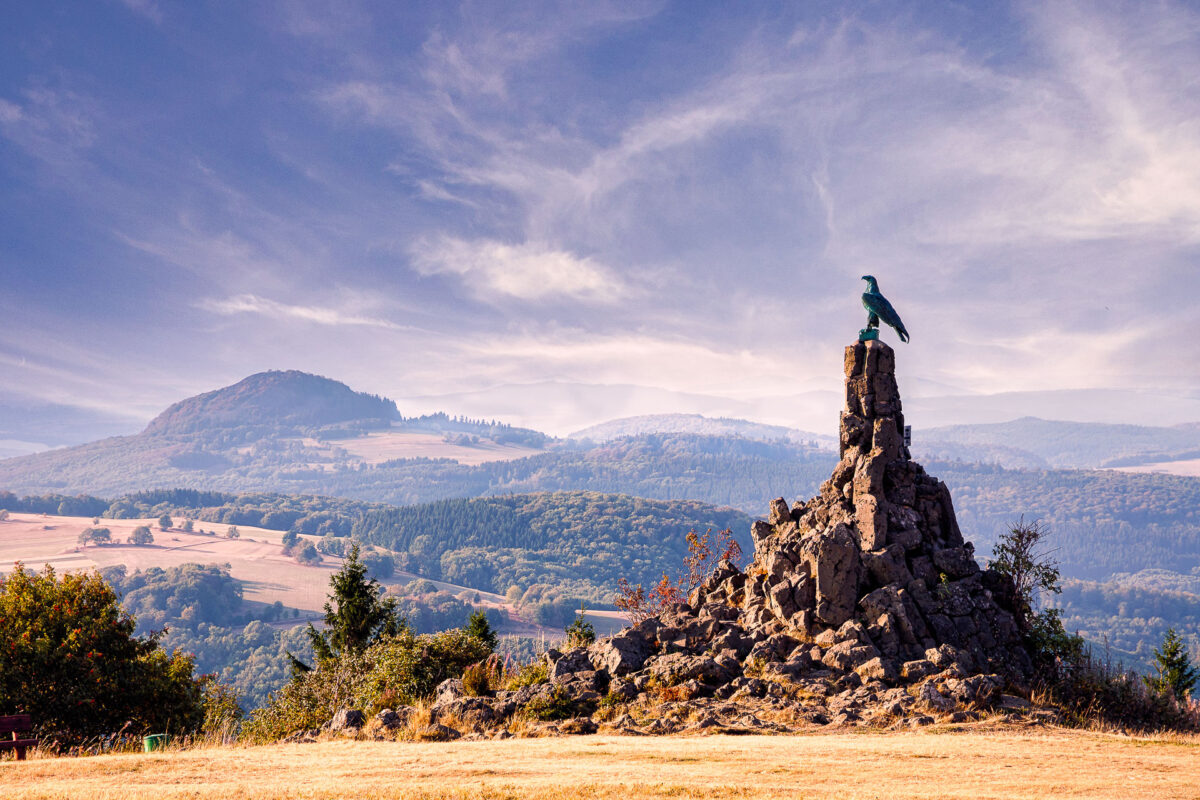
(375, 448)
(947, 764)
(1188, 468)
(256, 558)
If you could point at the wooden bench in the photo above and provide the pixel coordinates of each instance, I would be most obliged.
(14, 724)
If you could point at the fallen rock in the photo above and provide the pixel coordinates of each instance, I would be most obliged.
(347, 720)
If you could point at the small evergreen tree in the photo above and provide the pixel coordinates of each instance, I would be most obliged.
(580, 633)
(357, 616)
(479, 627)
(1174, 672)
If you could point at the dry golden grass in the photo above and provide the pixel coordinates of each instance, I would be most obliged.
(926, 764)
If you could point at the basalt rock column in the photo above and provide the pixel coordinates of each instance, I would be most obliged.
(880, 545)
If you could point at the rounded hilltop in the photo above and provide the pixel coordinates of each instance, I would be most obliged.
(283, 398)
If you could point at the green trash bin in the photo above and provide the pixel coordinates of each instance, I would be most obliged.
(155, 741)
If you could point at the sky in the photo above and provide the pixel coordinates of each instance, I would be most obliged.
(428, 199)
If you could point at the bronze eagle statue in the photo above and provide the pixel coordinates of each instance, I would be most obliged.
(878, 308)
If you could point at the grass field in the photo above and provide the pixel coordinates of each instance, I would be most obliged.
(992, 764)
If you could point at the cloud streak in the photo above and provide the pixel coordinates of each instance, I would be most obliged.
(316, 315)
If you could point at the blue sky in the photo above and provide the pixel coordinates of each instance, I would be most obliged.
(425, 199)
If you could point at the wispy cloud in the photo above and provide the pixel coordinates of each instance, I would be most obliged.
(492, 270)
(317, 315)
(146, 8)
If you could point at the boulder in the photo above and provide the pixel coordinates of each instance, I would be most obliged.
(437, 733)
(676, 668)
(620, 655)
(447, 690)
(347, 720)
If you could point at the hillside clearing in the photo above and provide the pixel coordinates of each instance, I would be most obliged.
(946, 764)
(1187, 468)
(377, 447)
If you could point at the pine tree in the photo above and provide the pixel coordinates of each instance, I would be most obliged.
(479, 627)
(357, 616)
(1173, 670)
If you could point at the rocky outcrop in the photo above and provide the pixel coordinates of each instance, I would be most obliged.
(862, 605)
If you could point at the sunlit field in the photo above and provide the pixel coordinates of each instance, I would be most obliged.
(945, 764)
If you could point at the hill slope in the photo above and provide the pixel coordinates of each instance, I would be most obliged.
(276, 399)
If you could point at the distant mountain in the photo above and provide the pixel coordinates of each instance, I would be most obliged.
(278, 399)
(698, 425)
(1030, 442)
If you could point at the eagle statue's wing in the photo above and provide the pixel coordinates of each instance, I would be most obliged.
(878, 304)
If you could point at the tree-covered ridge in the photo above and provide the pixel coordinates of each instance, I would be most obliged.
(581, 542)
(1045, 443)
(1104, 522)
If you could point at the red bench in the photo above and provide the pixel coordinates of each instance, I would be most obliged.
(18, 723)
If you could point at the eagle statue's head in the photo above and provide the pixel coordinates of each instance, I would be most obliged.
(872, 286)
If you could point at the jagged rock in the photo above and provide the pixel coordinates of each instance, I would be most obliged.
(564, 665)
(447, 690)
(391, 719)
(676, 668)
(469, 712)
(848, 655)
(980, 690)
(930, 696)
(913, 671)
(347, 720)
(878, 669)
(437, 733)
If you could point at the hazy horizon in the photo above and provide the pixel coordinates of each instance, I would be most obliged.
(452, 200)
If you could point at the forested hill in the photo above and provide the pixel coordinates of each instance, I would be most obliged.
(1033, 442)
(281, 400)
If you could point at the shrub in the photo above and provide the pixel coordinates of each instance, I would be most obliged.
(705, 552)
(405, 668)
(557, 705)
(141, 535)
(480, 679)
(164, 522)
(68, 655)
(529, 674)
